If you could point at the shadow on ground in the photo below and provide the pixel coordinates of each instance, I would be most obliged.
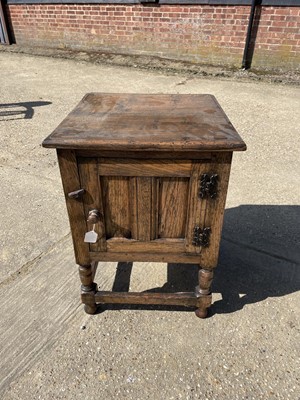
(259, 258)
(13, 111)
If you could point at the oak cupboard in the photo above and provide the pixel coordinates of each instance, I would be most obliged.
(145, 178)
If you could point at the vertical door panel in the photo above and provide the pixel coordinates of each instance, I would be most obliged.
(145, 210)
(172, 207)
(116, 204)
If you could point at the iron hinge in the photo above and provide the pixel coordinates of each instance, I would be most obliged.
(201, 236)
(208, 186)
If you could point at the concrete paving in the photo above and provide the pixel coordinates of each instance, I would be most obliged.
(50, 349)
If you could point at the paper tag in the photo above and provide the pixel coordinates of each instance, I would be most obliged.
(91, 237)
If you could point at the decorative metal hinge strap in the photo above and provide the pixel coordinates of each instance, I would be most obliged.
(208, 186)
(201, 236)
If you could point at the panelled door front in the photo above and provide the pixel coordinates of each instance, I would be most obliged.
(148, 205)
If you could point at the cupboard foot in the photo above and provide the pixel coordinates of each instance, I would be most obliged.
(201, 312)
(90, 308)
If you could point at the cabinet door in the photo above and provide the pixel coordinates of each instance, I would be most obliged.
(145, 205)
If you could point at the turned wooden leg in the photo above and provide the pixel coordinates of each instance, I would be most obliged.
(88, 288)
(203, 291)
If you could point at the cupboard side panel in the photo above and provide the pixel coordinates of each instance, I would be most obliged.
(71, 182)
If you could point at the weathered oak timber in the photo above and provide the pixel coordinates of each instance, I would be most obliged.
(215, 208)
(71, 182)
(88, 174)
(196, 208)
(86, 274)
(187, 299)
(172, 206)
(148, 175)
(141, 246)
(144, 209)
(149, 168)
(137, 155)
(203, 290)
(148, 122)
(146, 256)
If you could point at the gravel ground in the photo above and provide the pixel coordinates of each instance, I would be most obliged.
(166, 66)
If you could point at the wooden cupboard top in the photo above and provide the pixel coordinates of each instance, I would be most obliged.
(147, 122)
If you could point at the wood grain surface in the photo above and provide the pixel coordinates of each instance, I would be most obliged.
(215, 209)
(116, 194)
(151, 122)
(146, 208)
(187, 299)
(142, 209)
(147, 167)
(138, 246)
(172, 207)
(196, 207)
(161, 257)
(92, 199)
(70, 179)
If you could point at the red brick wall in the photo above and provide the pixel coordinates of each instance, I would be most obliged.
(209, 34)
